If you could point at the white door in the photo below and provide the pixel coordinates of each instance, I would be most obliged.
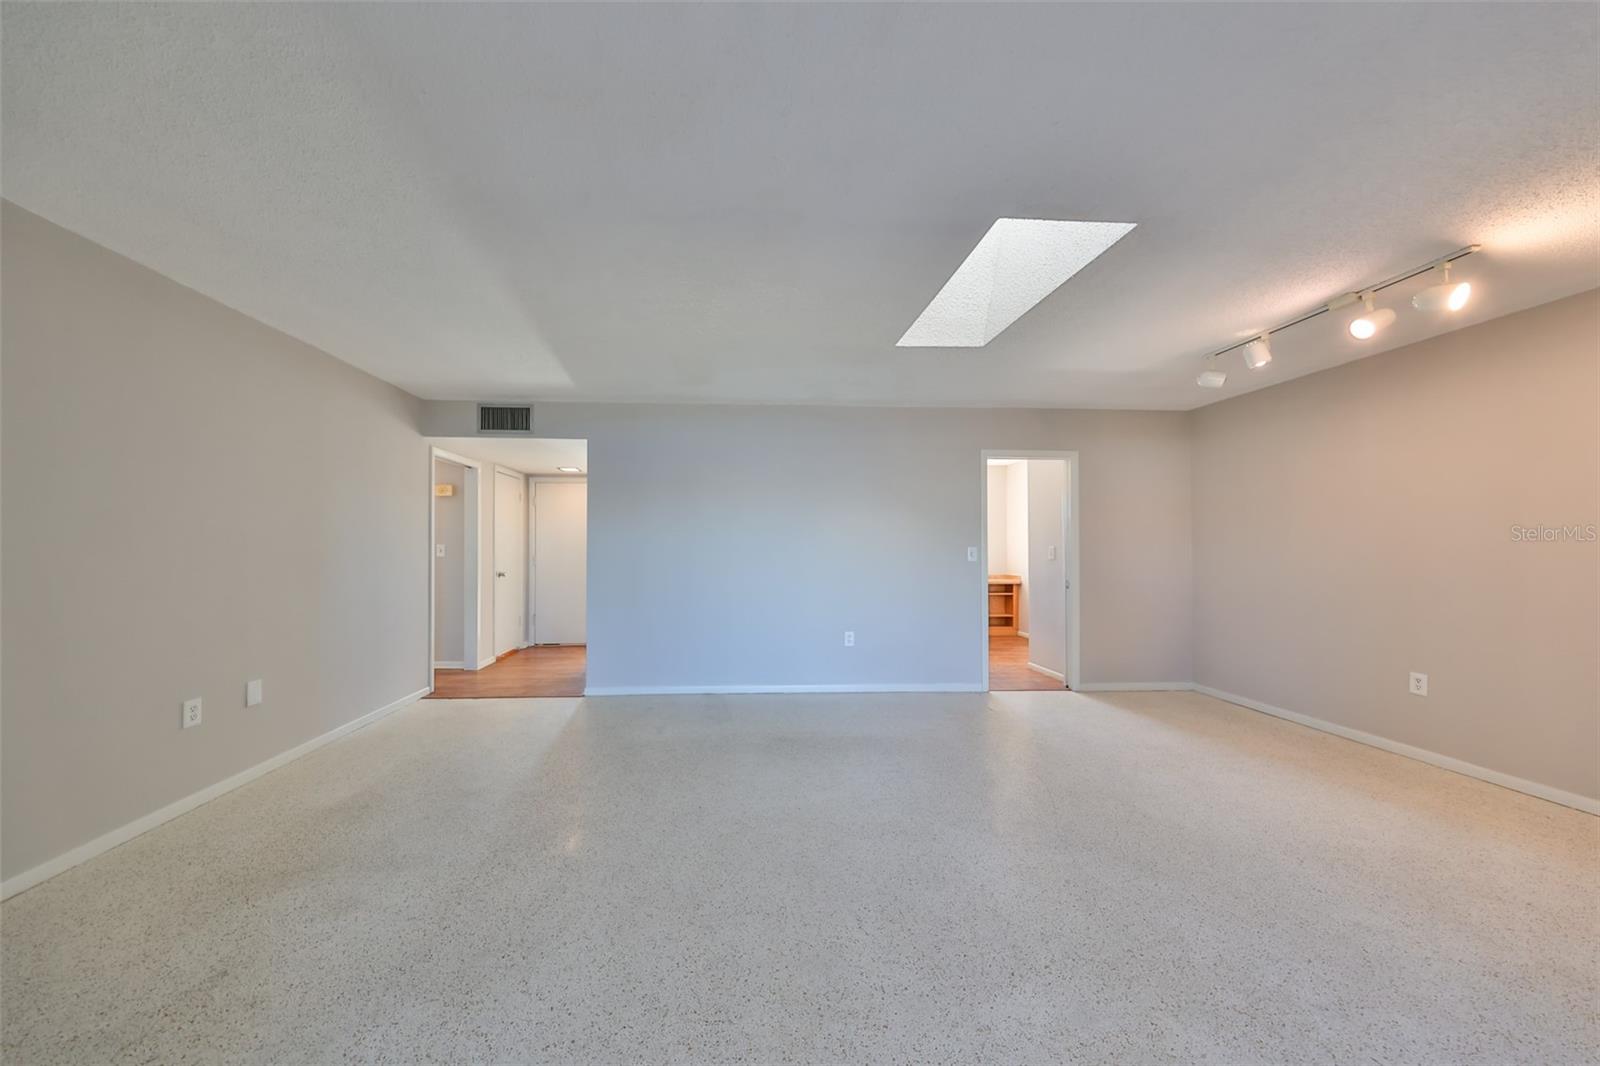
(560, 562)
(510, 572)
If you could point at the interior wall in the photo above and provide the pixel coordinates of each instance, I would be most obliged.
(1047, 564)
(732, 547)
(1381, 518)
(998, 541)
(559, 542)
(449, 533)
(1017, 537)
(191, 500)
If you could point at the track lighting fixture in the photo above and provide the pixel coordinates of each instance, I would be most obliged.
(1258, 353)
(1442, 296)
(1445, 296)
(1367, 326)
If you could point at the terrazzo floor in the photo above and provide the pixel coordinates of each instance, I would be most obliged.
(1018, 877)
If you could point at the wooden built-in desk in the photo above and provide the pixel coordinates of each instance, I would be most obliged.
(1003, 591)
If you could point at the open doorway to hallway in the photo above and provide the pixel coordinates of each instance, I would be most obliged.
(509, 559)
(1029, 544)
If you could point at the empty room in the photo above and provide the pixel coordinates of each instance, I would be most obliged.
(799, 533)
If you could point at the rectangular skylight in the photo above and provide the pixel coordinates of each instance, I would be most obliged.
(1018, 262)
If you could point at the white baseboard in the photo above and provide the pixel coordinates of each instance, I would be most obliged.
(139, 826)
(754, 690)
(1587, 804)
(485, 662)
(1134, 686)
(1045, 670)
(453, 664)
(1021, 634)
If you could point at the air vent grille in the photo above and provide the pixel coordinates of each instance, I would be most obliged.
(504, 419)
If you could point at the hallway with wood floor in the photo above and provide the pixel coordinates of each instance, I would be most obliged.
(1009, 670)
(543, 670)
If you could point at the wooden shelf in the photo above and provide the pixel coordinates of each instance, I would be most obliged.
(1003, 591)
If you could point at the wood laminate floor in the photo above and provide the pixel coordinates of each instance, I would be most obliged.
(1008, 667)
(550, 670)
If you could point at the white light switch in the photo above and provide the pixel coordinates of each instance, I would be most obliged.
(1050, 552)
(191, 713)
(252, 692)
(438, 550)
(972, 555)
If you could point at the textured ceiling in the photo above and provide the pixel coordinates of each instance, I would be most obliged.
(752, 203)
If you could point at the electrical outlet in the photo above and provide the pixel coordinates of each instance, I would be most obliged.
(849, 638)
(1419, 684)
(438, 551)
(252, 692)
(191, 713)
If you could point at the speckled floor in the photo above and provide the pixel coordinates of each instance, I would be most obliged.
(1023, 877)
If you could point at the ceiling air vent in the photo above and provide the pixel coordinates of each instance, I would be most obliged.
(504, 419)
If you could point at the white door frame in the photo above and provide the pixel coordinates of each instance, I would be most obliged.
(469, 556)
(1069, 527)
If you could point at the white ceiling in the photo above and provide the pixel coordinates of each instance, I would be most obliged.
(530, 455)
(752, 203)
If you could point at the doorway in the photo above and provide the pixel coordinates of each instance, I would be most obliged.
(525, 572)
(1030, 561)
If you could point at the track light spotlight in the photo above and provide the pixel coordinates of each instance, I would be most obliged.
(1445, 296)
(1258, 353)
(1367, 326)
(1211, 377)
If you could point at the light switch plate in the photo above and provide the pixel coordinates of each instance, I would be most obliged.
(849, 638)
(438, 550)
(1050, 552)
(252, 692)
(972, 555)
(191, 713)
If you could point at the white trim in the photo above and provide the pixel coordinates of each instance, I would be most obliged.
(454, 664)
(756, 690)
(1070, 529)
(139, 826)
(486, 662)
(1021, 634)
(1587, 804)
(1135, 686)
(1045, 670)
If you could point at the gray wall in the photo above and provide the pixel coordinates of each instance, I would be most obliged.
(733, 546)
(1356, 525)
(449, 574)
(191, 499)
